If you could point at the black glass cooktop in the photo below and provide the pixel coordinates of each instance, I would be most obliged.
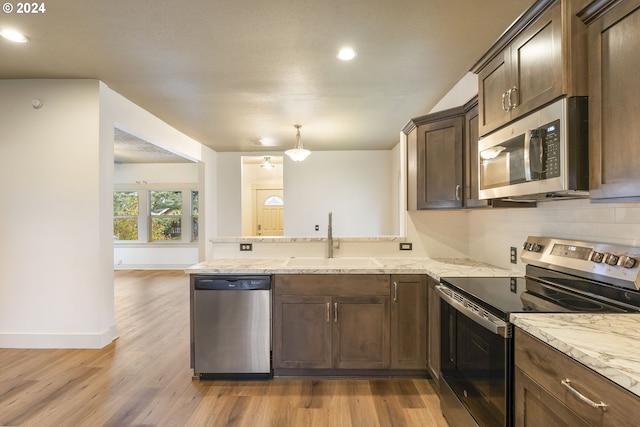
(504, 295)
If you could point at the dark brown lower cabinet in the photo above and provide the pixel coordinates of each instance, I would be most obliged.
(361, 332)
(329, 324)
(408, 321)
(536, 407)
(303, 337)
(547, 383)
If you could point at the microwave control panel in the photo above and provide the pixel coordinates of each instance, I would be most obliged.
(551, 149)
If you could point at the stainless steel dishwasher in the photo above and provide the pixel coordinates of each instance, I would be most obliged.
(231, 326)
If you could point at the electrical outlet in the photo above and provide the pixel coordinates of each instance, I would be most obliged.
(246, 246)
(406, 246)
(513, 255)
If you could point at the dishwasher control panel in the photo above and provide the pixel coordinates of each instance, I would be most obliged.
(232, 283)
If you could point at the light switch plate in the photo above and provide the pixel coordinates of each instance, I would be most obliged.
(513, 255)
(406, 246)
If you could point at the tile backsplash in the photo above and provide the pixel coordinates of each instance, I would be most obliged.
(491, 232)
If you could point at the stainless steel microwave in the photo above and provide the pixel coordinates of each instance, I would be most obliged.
(541, 156)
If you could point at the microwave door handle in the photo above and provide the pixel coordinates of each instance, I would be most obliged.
(527, 154)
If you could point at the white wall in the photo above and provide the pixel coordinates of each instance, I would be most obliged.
(357, 186)
(56, 276)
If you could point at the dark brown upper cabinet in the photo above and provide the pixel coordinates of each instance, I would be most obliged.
(614, 99)
(541, 57)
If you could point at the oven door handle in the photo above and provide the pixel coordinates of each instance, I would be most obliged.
(489, 322)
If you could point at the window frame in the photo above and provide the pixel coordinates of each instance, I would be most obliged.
(144, 214)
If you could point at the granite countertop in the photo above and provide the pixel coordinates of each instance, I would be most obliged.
(607, 343)
(436, 268)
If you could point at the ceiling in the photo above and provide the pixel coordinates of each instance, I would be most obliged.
(230, 72)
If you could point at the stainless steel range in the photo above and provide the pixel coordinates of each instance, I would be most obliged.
(476, 379)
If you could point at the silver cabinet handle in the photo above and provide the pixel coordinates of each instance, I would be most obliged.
(458, 192)
(335, 312)
(395, 291)
(511, 91)
(504, 105)
(602, 406)
(328, 312)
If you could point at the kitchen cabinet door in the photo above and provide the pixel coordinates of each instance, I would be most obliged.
(471, 156)
(493, 83)
(303, 335)
(439, 168)
(614, 103)
(536, 64)
(361, 332)
(408, 322)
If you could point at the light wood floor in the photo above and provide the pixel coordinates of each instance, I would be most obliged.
(144, 379)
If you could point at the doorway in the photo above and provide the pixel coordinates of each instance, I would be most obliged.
(262, 196)
(269, 210)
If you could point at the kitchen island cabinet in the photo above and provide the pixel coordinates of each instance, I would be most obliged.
(614, 94)
(541, 57)
(552, 389)
(349, 324)
(330, 322)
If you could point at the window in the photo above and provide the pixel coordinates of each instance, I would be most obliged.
(194, 216)
(155, 214)
(125, 215)
(274, 201)
(165, 208)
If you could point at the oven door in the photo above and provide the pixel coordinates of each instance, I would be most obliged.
(476, 360)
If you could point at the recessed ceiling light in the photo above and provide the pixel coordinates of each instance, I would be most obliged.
(347, 54)
(268, 142)
(14, 36)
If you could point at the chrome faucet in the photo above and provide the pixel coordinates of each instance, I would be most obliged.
(330, 237)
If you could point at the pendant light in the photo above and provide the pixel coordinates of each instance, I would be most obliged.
(267, 163)
(297, 153)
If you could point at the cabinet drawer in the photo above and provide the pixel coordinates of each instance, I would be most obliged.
(331, 284)
(549, 367)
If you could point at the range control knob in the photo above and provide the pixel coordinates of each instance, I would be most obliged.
(536, 247)
(527, 246)
(612, 259)
(627, 261)
(597, 257)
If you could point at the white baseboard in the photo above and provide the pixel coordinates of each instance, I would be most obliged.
(84, 341)
(151, 266)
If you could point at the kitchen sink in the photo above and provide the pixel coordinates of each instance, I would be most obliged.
(332, 262)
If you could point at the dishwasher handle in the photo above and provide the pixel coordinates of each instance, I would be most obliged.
(232, 283)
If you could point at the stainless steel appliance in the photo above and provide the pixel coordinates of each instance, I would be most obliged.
(476, 380)
(231, 326)
(543, 155)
